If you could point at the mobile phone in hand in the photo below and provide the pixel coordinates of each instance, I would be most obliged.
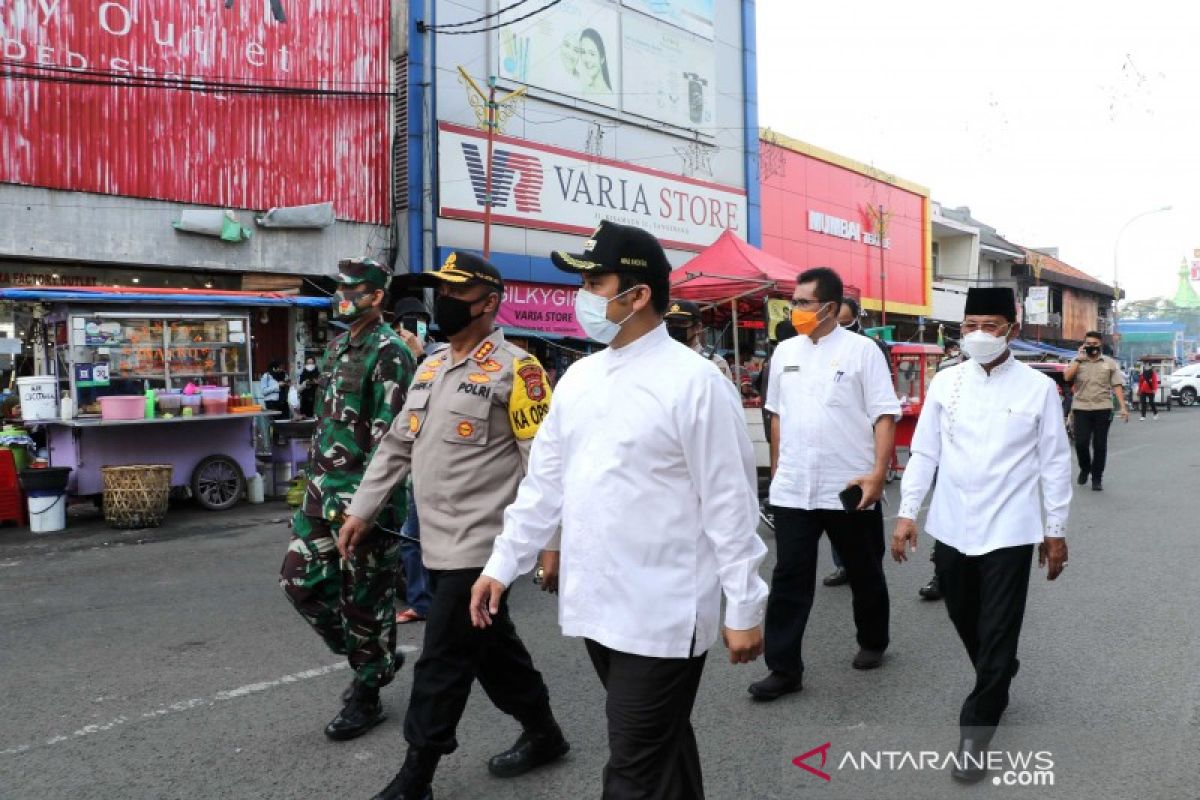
(851, 496)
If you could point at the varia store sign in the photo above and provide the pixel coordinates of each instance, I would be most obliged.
(550, 188)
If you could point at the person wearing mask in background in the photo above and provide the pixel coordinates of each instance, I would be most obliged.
(953, 356)
(1147, 389)
(991, 430)
(464, 435)
(646, 464)
(850, 318)
(685, 326)
(307, 381)
(273, 386)
(834, 426)
(1095, 378)
(349, 598)
(410, 319)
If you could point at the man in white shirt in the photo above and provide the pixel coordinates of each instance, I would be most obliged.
(991, 429)
(686, 327)
(645, 462)
(835, 420)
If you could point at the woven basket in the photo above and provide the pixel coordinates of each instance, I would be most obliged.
(135, 496)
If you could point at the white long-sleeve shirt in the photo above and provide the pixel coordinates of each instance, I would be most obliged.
(999, 449)
(645, 460)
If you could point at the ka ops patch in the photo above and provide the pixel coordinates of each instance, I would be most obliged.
(529, 402)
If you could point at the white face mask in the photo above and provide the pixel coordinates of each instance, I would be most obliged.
(983, 348)
(591, 311)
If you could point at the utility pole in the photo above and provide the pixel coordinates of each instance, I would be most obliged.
(881, 232)
(491, 114)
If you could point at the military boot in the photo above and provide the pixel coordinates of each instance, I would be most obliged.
(362, 712)
(415, 778)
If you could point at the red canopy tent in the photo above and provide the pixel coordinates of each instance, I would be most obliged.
(730, 268)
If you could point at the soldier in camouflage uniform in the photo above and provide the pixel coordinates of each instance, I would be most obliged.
(350, 601)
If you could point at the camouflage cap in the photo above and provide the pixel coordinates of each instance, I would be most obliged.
(362, 270)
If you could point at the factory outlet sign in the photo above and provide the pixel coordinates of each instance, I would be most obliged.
(550, 188)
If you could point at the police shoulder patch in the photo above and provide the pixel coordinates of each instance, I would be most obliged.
(530, 399)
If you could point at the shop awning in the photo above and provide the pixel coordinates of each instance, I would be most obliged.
(189, 297)
(731, 267)
(1022, 346)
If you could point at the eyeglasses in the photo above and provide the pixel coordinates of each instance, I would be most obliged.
(990, 328)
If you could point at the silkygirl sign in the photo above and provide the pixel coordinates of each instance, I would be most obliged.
(540, 186)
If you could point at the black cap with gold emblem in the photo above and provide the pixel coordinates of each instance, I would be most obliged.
(616, 248)
(460, 268)
(682, 312)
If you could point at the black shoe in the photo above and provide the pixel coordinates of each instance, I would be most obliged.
(348, 692)
(362, 712)
(931, 590)
(414, 780)
(1083, 476)
(775, 686)
(532, 750)
(868, 659)
(1097, 485)
(970, 761)
(836, 578)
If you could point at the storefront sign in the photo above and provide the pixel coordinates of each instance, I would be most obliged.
(1037, 305)
(537, 307)
(843, 229)
(539, 186)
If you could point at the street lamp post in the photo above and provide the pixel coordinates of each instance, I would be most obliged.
(1116, 266)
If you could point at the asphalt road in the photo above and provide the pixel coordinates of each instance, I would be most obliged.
(167, 664)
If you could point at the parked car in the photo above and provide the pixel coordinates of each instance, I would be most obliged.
(1185, 385)
(1057, 372)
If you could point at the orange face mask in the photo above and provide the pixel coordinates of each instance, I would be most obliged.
(805, 322)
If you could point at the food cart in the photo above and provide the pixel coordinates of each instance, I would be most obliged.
(913, 368)
(105, 343)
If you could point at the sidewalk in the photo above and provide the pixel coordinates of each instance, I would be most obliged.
(86, 528)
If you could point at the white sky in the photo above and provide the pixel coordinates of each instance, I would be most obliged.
(1054, 120)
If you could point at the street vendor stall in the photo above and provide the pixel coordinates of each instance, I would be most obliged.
(149, 377)
(913, 368)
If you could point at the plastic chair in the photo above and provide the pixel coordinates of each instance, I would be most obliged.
(12, 499)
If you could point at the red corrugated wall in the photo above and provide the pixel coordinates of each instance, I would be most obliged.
(214, 147)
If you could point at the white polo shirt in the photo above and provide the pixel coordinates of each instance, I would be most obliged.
(828, 396)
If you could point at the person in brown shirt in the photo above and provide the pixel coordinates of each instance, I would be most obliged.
(1095, 377)
(464, 433)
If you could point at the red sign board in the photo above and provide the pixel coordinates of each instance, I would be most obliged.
(236, 103)
(825, 212)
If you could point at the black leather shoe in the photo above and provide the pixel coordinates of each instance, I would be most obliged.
(415, 778)
(348, 692)
(868, 659)
(970, 761)
(931, 590)
(532, 750)
(362, 712)
(1083, 476)
(1097, 485)
(775, 686)
(836, 578)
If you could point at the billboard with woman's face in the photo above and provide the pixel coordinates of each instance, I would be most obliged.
(574, 51)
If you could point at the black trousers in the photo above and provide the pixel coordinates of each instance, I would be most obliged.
(651, 745)
(455, 654)
(985, 597)
(1149, 399)
(1091, 440)
(858, 538)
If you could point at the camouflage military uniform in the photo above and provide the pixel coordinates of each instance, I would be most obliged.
(350, 603)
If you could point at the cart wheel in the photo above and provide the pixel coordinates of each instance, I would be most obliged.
(217, 483)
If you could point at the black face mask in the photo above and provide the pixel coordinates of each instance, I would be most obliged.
(854, 327)
(679, 333)
(1092, 351)
(452, 314)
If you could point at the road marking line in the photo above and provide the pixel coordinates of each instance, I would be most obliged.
(188, 705)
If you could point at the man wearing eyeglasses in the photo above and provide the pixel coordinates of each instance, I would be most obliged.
(991, 430)
(834, 423)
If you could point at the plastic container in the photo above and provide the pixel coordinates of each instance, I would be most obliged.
(169, 401)
(122, 406)
(39, 397)
(215, 399)
(150, 404)
(46, 496)
(189, 401)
